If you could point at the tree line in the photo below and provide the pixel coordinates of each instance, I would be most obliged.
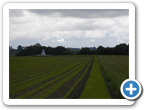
(121, 49)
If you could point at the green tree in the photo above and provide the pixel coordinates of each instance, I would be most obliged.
(85, 51)
(19, 47)
(37, 44)
(68, 52)
(121, 49)
(100, 50)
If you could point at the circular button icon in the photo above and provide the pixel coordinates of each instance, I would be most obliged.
(131, 89)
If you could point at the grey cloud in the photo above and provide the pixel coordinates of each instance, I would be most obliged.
(68, 26)
(82, 13)
(16, 12)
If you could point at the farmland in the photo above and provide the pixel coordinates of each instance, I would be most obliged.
(48, 77)
(115, 69)
(67, 77)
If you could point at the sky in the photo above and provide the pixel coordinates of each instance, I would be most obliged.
(68, 27)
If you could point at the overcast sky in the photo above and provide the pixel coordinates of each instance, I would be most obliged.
(68, 27)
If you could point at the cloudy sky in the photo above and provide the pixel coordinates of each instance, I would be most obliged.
(68, 27)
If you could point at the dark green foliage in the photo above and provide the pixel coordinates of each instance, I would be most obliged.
(19, 47)
(68, 52)
(36, 50)
(84, 51)
(37, 44)
(121, 49)
(100, 50)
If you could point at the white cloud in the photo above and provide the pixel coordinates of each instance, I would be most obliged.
(103, 22)
(95, 33)
(60, 40)
(119, 40)
(29, 25)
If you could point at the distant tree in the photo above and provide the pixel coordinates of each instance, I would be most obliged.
(128, 49)
(75, 52)
(58, 50)
(10, 47)
(84, 51)
(121, 49)
(109, 51)
(100, 50)
(68, 52)
(37, 44)
(19, 47)
(48, 50)
(93, 52)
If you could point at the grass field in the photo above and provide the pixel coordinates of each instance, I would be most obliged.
(115, 70)
(67, 77)
(95, 87)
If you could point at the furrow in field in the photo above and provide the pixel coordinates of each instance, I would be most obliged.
(42, 89)
(36, 69)
(65, 86)
(31, 65)
(43, 66)
(24, 78)
(43, 76)
(23, 86)
(77, 88)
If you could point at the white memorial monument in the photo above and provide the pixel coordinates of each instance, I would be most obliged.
(43, 52)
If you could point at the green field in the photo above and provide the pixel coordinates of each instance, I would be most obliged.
(115, 70)
(62, 77)
(95, 87)
(48, 77)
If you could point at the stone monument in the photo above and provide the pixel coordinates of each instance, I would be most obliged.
(43, 52)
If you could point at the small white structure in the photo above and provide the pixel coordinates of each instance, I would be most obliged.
(43, 52)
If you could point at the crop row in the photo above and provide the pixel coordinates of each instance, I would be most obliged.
(33, 66)
(42, 76)
(54, 81)
(29, 75)
(48, 87)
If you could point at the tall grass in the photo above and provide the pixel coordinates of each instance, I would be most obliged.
(115, 69)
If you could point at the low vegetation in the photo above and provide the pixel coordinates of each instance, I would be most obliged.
(48, 77)
(67, 77)
(115, 69)
(95, 87)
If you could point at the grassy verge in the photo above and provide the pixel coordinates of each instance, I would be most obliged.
(115, 70)
(95, 87)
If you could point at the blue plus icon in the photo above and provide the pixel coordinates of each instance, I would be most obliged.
(130, 89)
